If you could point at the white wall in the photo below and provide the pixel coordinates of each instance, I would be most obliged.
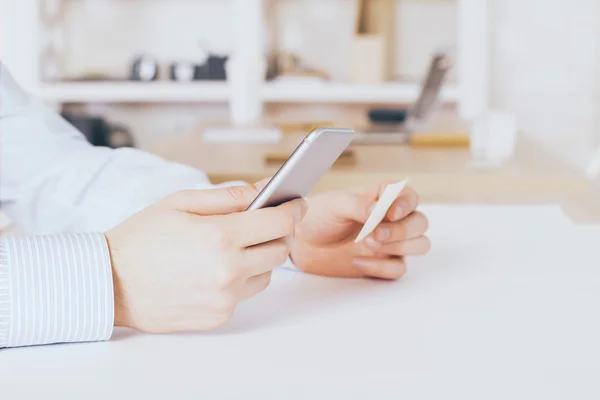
(313, 28)
(546, 69)
(107, 33)
(18, 40)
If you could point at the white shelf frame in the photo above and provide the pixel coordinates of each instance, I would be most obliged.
(332, 92)
(247, 93)
(134, 92)
(220, 92)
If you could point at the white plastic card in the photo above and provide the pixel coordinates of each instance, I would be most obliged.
(386, 200)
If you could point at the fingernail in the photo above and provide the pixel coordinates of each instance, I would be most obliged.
(362, 263)
(372, 243)
(398, 213)
(260, 185)
(382, 234)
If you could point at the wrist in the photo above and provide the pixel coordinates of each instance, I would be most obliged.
(296, 257)
(120, 309)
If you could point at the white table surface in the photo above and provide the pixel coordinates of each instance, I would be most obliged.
(506, 306)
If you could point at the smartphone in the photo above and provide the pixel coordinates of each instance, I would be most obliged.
(302, 170)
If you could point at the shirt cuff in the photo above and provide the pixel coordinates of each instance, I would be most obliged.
(55, 289)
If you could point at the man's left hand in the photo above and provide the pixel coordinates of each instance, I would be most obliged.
(324, 241)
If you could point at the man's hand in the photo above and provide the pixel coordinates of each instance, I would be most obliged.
(185, 262)
(324, 241)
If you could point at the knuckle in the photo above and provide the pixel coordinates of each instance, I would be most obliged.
(282, 252)
(150, 327)
(302, 206)
(226, 278)
(381, 186)
(223, 237)
(398, 249)
(266, 280)
(258, 186)
(182, 195)
(288, 225)
(218, 321)
(401, 231)
(423, 221)
(236, 192)
(398, 272)
(224, 305)
(218, 235)
(426, 245)
(414, 195)
(174, 198)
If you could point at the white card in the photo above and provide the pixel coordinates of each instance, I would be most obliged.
(386, 200)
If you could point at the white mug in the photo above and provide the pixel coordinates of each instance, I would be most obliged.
(493, 137)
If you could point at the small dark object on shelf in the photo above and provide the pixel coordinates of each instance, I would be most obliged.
(212, 70)
(144, 69)
(201, 72)
(216, 68)
(387, 116)
(120, 136)
(182, 72)
(99, 132)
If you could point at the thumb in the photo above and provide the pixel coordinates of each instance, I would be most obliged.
(358, 203)
(350, 206)
(260, 185)
(218, 201)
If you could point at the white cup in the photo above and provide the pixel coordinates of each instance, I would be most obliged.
(245, 83)
(493, 137)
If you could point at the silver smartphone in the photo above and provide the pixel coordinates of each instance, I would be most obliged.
(305, 166)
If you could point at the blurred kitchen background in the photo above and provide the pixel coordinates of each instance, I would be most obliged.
(150, 73)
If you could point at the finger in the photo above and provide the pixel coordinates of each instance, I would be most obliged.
(373, 191)
(262, 258)
(388, 268)
(254, 227)
(255, 285)
(260, 185)
(412, 247)
(357, 204)
(217, 201)
(407, 202)
(411, 227)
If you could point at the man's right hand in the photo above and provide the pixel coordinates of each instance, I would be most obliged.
(185, 262)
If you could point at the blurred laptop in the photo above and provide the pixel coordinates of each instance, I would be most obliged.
(418, 115)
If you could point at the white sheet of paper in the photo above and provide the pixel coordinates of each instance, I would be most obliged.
(388, 196)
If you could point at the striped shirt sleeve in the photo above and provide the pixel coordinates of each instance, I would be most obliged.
(55, 289)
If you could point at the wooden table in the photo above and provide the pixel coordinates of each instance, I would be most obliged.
(440, 175)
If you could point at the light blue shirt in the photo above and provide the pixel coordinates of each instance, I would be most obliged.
(57, 287)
